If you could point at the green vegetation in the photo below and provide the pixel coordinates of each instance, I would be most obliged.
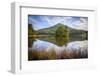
(62, 31)
(31, 31)
(59, 35)
(62, 35)
(58, 30)
(72, 32)
(31, 35)
(50, 30)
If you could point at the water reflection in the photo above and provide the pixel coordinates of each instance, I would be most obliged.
(40, 45)
(60, 41)
(43, 48)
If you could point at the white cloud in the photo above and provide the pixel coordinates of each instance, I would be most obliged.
(52, 21)
(82, 24)
(47, 21)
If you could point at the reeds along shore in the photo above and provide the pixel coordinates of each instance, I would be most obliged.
(52, 55)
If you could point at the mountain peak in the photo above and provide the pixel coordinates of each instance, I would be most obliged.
(59, 24)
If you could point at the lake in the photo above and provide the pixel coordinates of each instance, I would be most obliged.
(51, 48)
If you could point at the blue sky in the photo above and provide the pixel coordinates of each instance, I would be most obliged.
(40, 21)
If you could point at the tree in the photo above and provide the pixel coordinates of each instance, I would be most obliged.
(31, 30)
(62, 31)
(62, 35)
(31, 33)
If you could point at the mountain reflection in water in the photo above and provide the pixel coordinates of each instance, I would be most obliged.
(77, 48)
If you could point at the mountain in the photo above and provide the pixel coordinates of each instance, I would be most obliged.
(52, 30)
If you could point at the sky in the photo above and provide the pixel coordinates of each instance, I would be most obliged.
(42, 21)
